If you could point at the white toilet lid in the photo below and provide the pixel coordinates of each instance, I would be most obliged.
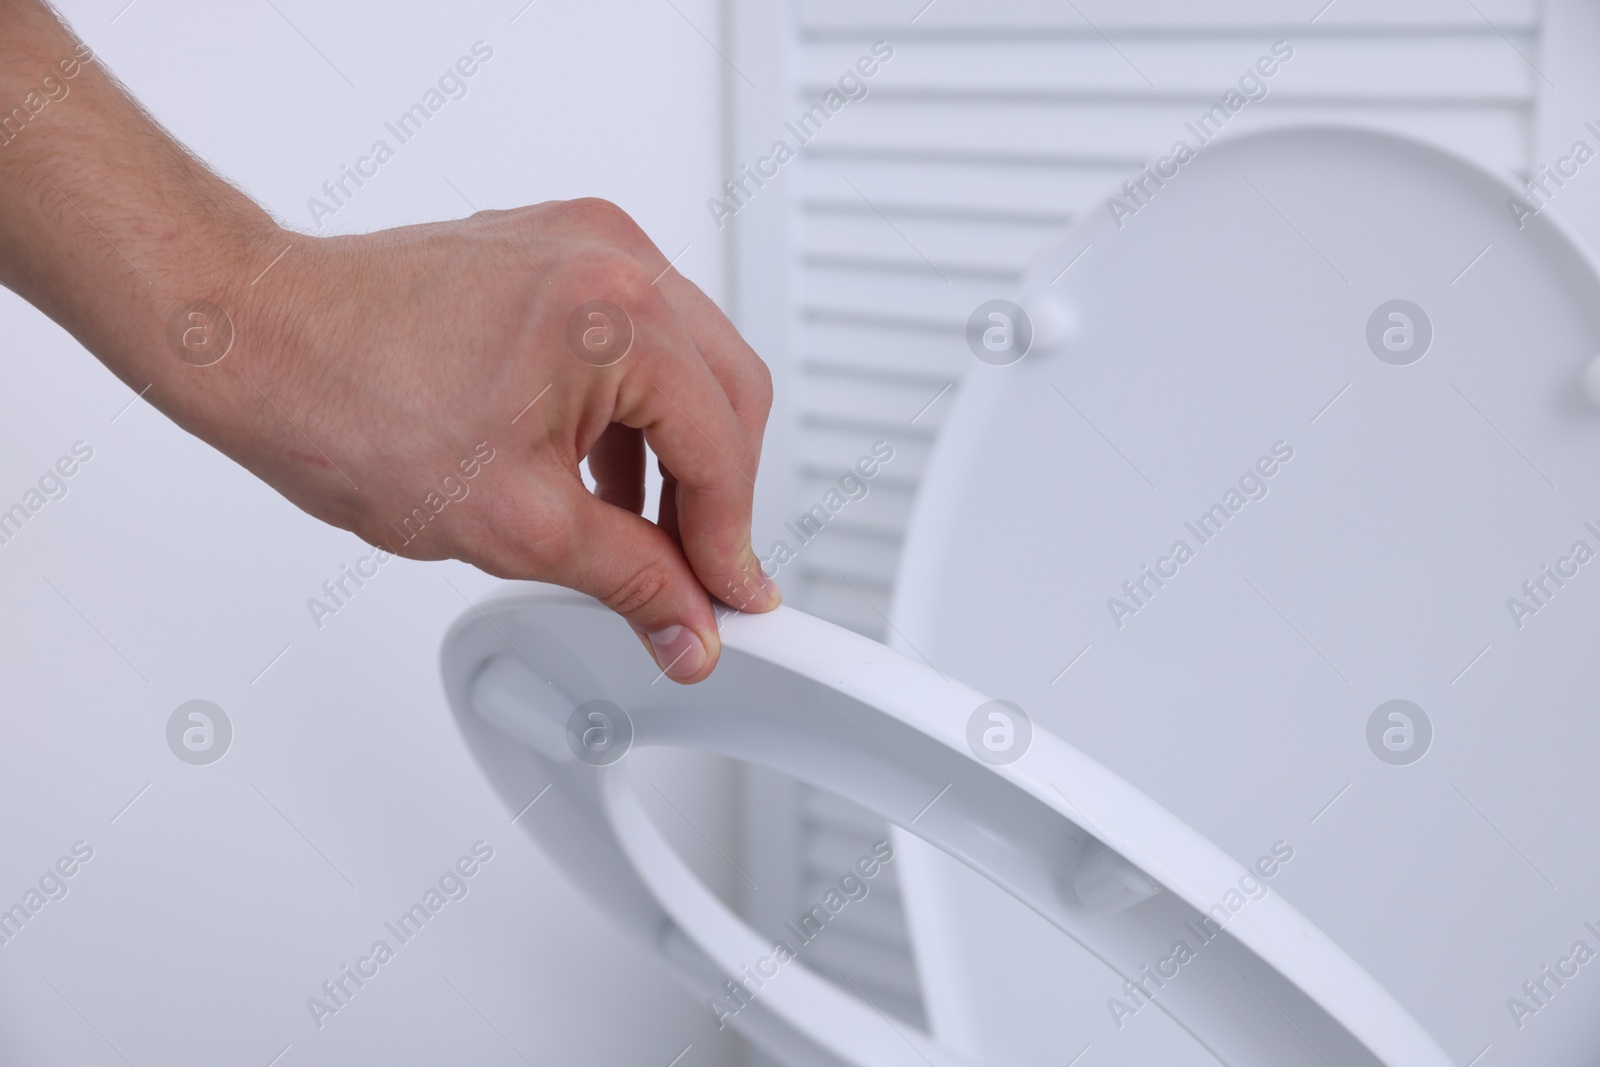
(846, 714)
(1240, 313)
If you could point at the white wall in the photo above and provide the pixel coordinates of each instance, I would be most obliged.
(225, 895)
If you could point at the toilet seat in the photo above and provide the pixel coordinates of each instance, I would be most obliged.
(846, 714)
(1235, 309)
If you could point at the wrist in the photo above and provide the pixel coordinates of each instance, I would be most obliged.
(226, 328)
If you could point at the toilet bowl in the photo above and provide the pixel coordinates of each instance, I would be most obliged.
(1334, 746)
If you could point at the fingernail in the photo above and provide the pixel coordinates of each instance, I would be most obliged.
(772, 595)
(679, 652)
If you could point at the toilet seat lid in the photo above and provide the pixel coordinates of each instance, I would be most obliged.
(1354, 377)
(827, 706)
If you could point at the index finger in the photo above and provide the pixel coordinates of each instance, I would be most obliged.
(690, 424)
(743, 376)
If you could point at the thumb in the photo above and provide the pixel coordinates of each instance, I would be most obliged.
(633, 567)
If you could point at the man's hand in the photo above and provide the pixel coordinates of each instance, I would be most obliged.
(433, 388)
(371, 374)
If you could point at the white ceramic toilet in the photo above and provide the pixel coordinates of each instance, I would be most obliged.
(1320, 746)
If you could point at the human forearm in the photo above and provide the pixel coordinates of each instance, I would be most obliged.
(106, 224)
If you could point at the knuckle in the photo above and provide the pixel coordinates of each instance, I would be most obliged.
(604, 217)
(759, 387)
(605, 273)
(638, 589)
(629, 285)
